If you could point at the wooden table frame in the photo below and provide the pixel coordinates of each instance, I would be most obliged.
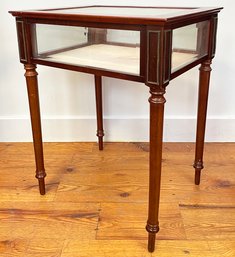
(155, 34)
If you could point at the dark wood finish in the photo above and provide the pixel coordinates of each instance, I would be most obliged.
(81, 23)
(99, 111)
(143, 54)
(155, 72)
(212, 40)
(32, 87)
(204, 81)
(157, 102)
(159, 47)
(21, 42)
(167, 54)
(202, 38)
(153, 56)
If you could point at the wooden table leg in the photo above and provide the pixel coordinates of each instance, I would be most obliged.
(32, 87)
(99, 112)
(204, 81)
(157, 101)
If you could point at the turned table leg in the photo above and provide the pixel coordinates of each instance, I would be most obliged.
(204, 81)
(156, 101)
(32, 87)
(99, 112)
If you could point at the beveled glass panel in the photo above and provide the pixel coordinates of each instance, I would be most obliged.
(109, 49)
(189, 43)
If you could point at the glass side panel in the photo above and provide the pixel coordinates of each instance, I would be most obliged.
(189, 43)
(109, 49)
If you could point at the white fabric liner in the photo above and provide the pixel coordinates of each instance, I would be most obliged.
(122, 59)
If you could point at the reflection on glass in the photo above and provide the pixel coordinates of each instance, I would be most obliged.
(109, 49)
(189, 43)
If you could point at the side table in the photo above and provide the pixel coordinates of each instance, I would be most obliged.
(152, 45)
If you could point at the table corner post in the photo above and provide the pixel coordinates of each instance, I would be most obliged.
(26, 33)
(159, 46)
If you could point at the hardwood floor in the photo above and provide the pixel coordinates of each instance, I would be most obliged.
(96, 201)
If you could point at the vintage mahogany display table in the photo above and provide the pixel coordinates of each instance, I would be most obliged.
(147, 44)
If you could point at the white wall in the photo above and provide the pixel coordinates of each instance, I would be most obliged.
(67, 98)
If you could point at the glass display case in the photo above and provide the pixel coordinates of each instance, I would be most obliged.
(114, 49)
(152, 45)
(115, 39)
(110, 49)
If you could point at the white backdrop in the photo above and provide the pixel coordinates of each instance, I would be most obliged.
(68, 101)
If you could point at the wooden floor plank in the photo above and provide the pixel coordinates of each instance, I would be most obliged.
(98, 248)
(209, 222)
(96, 201)
(127, 221)
(133, 248)
(13, 247)
(46, 247)
(50, 219)
(222, 248)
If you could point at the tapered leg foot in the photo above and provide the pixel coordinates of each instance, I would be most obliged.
(99, 110)
(151, 242)
(198, 168)
(152, 230)
(40, 175)
(41, 183)
(197, 177)
(100, 142)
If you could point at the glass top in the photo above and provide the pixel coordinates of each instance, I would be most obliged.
(117, 14)
(151, 12)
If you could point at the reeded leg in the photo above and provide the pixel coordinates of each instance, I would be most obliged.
(99, 112)
(32, 87)
(204, 81)
(157, 101)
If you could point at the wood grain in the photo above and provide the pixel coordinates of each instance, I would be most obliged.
(127, 220)
(96, 202)
(131, 248)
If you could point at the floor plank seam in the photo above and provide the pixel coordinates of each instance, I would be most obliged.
(98, 221)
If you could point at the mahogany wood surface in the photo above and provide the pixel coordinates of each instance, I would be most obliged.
(155, 72)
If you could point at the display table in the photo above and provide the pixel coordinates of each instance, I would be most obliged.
(147, 44)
